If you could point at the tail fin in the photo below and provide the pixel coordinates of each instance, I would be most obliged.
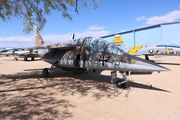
(118, 41)
(39, 39)
(73, 36)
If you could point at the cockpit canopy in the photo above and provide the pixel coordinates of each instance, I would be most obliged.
(99, 45)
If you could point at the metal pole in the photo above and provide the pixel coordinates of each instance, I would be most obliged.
(114, 90)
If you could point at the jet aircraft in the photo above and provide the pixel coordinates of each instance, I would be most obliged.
(32, 52)
(27, 52)
(81, 54)
(148, 49)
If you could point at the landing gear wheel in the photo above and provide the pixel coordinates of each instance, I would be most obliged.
(32, 58)
(25, 59)
(126, 84)
(146, 57)
(122, 84)
(118, 84)
(45, 72)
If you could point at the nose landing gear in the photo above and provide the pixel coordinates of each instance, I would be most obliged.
(124, 82)
(120, 83)
(46, 71)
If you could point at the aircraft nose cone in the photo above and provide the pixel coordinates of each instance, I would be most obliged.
(150, 66)
(142, 65)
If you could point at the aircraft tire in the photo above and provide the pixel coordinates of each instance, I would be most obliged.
(124, 85)
(118, 84)
(25, 59)
(32, 58)
(45, 72)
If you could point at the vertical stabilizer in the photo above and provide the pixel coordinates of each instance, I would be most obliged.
(39, 39)
(73, 36)
(118, 41)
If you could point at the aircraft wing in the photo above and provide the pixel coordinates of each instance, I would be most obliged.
(60, 46)
(63, 48)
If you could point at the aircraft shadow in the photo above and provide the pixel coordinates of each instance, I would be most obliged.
(167, 63)
(145, 86)
(35, 97)
(67, 81)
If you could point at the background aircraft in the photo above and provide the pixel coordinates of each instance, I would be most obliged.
(7, 50)
(32, 52)
(96, 53)
(148, 49)
(26, 53)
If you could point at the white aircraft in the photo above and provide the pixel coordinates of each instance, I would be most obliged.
(26, 53)
(148, 49)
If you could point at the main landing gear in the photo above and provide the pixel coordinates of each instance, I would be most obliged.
(120, 83)
(16, 59)
(32, 58)
(124, 82)
(146, 57)
(26, 59)
(46, 71)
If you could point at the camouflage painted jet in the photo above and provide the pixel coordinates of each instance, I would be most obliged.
(148, 49)
(81, 54)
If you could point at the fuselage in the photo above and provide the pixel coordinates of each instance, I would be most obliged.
(97, 53)
(171, 50)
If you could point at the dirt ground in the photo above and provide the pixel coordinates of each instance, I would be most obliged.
(25, 94)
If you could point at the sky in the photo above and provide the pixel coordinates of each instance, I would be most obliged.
(110, 17)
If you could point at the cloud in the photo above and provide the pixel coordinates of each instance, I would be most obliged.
(28, 41)
(17, 41)
(17, 38)
(140, 18)
(92, 31)
(171, 16)
(16, 44)
(94, 27)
